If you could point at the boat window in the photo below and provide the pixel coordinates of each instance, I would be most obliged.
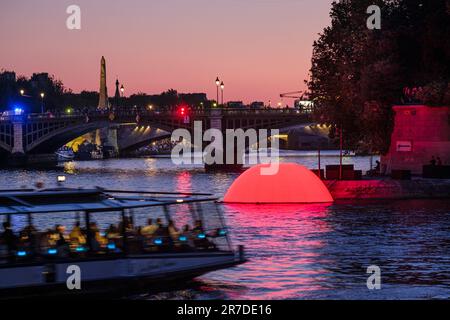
(105, 233)
(186, 227)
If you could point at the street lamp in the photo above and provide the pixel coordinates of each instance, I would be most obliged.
(217, 85)
(42, 102)
(22, 92)
(122, 90)
(222, 86)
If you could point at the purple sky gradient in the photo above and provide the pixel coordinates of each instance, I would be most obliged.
(260, 48)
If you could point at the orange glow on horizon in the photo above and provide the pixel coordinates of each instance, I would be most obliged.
(256, 52)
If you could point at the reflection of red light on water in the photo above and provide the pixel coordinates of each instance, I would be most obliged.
(285, 244)
(280, 217)
(184, 183)
(292, 183)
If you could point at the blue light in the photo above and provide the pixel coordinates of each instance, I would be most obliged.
(111, 246)
(21, 253)
(201, 236)
(52, 251)
(18, 110)
(222, 232)
(183, 239)
(80, 249)
(158, 241)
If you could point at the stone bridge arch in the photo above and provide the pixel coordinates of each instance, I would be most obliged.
(44, 139)
(131, 138)
(46, 135)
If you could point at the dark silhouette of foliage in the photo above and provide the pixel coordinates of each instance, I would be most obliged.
(357, 74)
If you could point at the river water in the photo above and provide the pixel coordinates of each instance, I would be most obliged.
(294, 251)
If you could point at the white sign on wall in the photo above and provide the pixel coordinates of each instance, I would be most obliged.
(404, 146)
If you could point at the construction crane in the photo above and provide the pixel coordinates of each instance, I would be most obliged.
(301, 100)
(297, 95)
(292, 95)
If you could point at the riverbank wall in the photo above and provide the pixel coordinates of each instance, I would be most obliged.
(389, 189)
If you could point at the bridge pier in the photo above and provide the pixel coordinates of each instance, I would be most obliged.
(107, 138)
(17, 156)
(18, 147)
(216, 122)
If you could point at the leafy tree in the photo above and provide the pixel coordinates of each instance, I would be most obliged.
(31, 100)
(357, 74)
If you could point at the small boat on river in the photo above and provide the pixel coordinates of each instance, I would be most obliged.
(65, 154)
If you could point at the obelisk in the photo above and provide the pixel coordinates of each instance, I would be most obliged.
(101, 134)
(103, 94)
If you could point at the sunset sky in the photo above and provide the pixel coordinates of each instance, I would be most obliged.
(260, 48)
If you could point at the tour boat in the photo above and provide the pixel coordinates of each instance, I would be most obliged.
(104, 238)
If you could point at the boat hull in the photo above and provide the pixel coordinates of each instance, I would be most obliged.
(110, 275)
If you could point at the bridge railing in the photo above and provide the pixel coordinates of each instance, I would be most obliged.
(131, 114)
(263, 111)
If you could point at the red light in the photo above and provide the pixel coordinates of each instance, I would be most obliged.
(292, 183)
(182, 111)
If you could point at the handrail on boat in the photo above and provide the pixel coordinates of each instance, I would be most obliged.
(110, 200)
(156, 192)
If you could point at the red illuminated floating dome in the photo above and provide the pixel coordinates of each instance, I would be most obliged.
(292, 183)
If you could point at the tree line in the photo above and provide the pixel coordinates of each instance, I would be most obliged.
(25, 93)
(358, 74)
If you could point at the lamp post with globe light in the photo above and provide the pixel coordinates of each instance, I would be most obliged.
(42, 95)
(217, 87)
(42, 102)
(222, 86)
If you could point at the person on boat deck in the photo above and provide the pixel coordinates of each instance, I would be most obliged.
(112, 232)
(159, 231)
(61, 242)
(198, 228)
(187, 233)
(29, 238)
(76, 236)
(60, 239)
(97, 241)
(201, 242)
(29, 229)
(163, 232)
(45, 240)
(93, 234)
(173, 231)
(128, 223)
(9, 238)
(151, 227)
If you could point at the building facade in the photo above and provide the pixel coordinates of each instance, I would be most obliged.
(420, 133)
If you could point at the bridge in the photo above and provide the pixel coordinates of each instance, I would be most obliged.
(28, 136)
